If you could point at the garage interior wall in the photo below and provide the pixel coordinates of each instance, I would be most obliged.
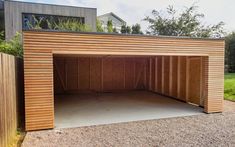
(180, 77)
(165, 55)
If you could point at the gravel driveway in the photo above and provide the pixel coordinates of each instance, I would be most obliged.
(201, 130)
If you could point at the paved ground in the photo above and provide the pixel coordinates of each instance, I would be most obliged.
(106, 108)
(210, 130)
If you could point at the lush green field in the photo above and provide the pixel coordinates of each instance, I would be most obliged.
(229, 86)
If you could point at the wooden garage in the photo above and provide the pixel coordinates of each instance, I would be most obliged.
(187, 69)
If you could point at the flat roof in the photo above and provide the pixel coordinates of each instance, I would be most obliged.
(36, 3)
(117, 34)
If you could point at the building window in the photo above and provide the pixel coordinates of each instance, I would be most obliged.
(48, 22)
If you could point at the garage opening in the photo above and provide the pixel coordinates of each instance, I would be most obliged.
(104, 89)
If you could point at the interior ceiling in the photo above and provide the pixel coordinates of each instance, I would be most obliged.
(77, 55)
(121, 56)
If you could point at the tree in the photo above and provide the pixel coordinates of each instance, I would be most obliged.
(115, 30)
(128, 29)
(186, 23)
(110, 26)
(125, 29)
(136, 29)
(99, 27)
(230, 52)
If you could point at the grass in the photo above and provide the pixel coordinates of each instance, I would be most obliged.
(229, 86)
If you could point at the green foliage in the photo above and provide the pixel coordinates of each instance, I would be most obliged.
(37, 23)
(115, 30)
(230, 52)
(128, 29)
(2, 36)
(110, 26)
(99, 27)
(186, 23)
(125, 29)
(71, 25)
(136, 29)
(13, 47)
(229, 86)
(62, 24)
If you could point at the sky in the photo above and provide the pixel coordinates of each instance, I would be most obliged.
(133, 11)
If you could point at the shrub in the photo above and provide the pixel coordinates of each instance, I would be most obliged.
(71, 25)
(13, 46)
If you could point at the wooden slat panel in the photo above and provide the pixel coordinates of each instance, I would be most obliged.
(152, 74)
(129, 73)
(214, 102)
(166, 75)
(71, 73)
(118, 73)
(10, 109)
(204, 80)
(88, 72)
(182, 94)
(59, 76)
(107, 74)
(83, 73)
(95, 74)
(159, 71)
(174, 75)
(194, 80)
(140, 72)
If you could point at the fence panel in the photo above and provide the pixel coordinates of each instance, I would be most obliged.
(10, 94)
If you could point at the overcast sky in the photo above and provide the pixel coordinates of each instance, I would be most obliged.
(133, 11)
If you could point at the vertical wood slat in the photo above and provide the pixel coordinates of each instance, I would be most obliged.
(194, 80)
(156, 74)
(163, 75)
(187, 79)
(93, 73)
(178, 76)
(181, 74)
(9, 96)
(170, 76)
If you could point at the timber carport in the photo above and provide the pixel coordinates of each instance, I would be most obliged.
(188, 69)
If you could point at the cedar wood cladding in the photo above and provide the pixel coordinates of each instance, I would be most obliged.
(39, 48)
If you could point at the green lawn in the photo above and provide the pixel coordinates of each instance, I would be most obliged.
(229, 86)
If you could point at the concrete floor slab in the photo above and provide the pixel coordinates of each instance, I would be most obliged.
(106, 108)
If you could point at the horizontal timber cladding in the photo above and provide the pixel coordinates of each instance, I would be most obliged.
(166, 53)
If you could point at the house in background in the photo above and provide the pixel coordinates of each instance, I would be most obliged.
(117, 21)
(15, 15)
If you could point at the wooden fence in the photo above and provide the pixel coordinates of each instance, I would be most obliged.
(11, 97)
